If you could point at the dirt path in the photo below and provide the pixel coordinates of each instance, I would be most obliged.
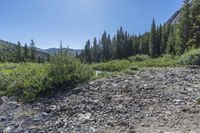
(151, 101)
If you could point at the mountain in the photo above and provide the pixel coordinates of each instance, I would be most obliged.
(174, 18)
(7, 45)
(53, 51)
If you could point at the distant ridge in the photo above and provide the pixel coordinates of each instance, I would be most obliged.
(8, 47)
(174, 18)
(53, 51)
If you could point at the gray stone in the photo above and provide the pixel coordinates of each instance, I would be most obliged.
(84, 117)
(7, 130)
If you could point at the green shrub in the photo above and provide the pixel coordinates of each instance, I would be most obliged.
(138, 58)
(198, 100)
(68, 71)
(190, 58)
(28, 80)
(133, 68)
(111, 66)
(165, 61)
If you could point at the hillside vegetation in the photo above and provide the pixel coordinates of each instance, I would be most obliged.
(175, 37)
(135, 63)
(28, 80)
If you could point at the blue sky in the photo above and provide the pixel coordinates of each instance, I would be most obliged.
(75, 21)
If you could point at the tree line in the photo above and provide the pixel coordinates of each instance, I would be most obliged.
(21, 53)
(169, 38)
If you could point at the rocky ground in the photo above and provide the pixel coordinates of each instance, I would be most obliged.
(150, 101)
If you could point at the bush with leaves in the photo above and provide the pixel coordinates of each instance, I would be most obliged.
(190, 58)
(67, 71)
(111, 66)
(28, 80)
(138, 58)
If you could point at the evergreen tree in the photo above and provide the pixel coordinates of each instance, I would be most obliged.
(76, 54)
(61, 48)
(136, 43)
(25, 52)
(183, 31)
(143, 47)
(108, 48)
(95, 50)
(195, 29)
(104, 41)
(87, 52)
(39, 60)
(165, 35)
(159, 40)
(153, 40)
(171, 42)
(18, 58)
(114, 47)
(48, 58)
(33, 51)
(120, 44)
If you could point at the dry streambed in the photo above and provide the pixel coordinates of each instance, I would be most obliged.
(150, 101)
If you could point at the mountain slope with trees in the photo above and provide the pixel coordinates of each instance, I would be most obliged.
(177, 36)
(10, 52)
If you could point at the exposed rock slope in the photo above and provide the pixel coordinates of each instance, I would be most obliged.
(151, 101)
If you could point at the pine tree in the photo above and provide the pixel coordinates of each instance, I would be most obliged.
(195, 29)
(76, 54)
(136, 43)
(104, 41)
(153, 40)
(164, 38)
(171, 42)
(33, 51)
(120, 44)
(61, 48)
(87, 52)
(183, 31)
(108, 48)
(39, 59)
(127, 45)
(143, 47)
(95, 50)
(25, 52)
(18, 58)
(159, 40)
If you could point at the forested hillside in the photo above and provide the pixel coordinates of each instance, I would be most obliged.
(53, 51)
(177, 36)
(10, 52)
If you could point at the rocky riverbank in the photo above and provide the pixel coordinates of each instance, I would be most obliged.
(149, 101)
